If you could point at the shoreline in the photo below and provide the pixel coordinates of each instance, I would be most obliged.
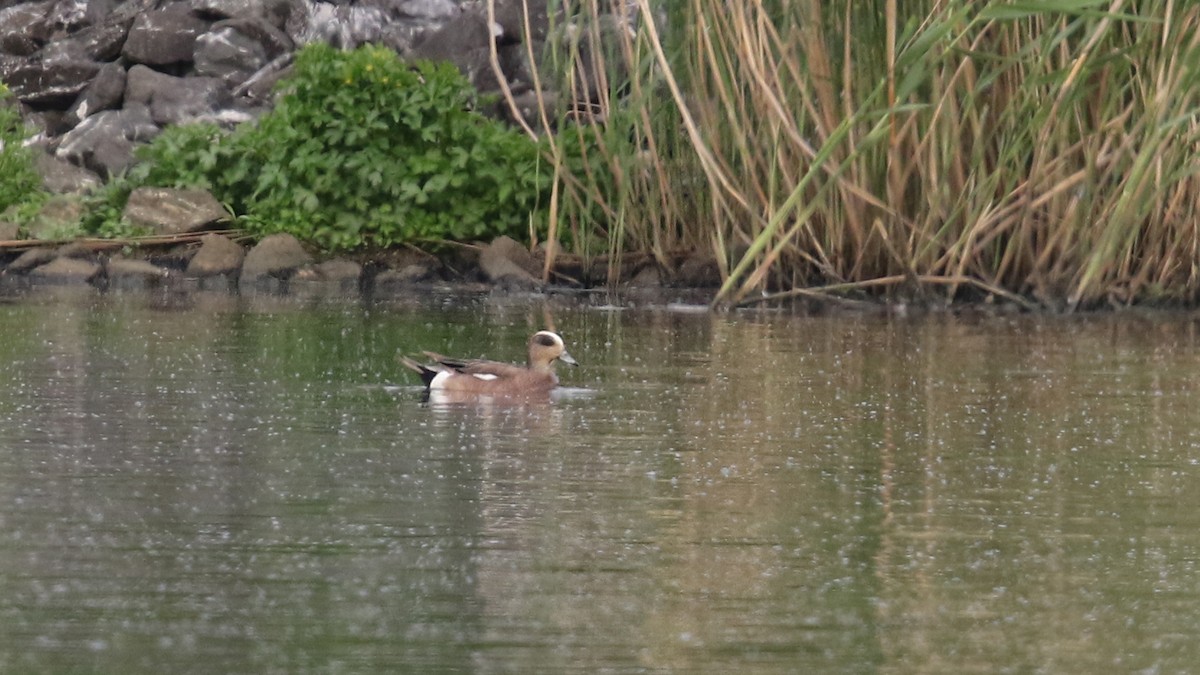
(280, 265)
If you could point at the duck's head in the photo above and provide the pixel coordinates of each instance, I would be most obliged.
(546, 347)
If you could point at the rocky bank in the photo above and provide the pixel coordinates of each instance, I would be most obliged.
(95, 78)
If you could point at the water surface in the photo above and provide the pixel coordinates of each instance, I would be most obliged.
(208, 483)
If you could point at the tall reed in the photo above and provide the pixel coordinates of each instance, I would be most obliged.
(1043, 151)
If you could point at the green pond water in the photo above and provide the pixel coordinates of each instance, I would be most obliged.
(209, 483)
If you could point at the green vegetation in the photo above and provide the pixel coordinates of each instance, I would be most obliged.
(103, 210)
(19, 183)
(1044, 152)
(1045, 149)
(363, 149)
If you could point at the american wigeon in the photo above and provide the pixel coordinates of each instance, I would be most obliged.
(491, 378)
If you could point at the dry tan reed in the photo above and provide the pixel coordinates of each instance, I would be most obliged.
(1046, 151)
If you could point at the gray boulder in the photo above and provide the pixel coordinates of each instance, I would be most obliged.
(100, 42)
(105, 92)
(10, 64)
(343, 26)
(104, 142)
(403, 276)
(335, 275)
(23, 28)
(339, 271)
(175, 100)
(236, 49)
(428, 11)
(216, 255)
(52, 83)
(64, 270)
(58, 218)
(506, 262)
(463, 35)
(33, 258)
(68, 16)
(699, 270)
(125, 273)
(62, 177)
(173, 211)
(274, 12)
(648, 276)
(277, 256)
(8, 230)
(163, 37)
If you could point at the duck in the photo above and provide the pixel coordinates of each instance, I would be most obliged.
(493, 378)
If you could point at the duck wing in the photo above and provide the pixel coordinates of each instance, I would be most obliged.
(496, 369)
(500, 371)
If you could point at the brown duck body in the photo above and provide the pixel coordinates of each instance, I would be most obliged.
(493, 378)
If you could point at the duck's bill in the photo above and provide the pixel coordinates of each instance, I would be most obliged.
(568, 359)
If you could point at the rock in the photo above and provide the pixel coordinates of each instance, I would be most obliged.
(9, 65)
(50, 123)
(100, 42)
(217, 255)
(465, 40)
(389, 281)
(220, 283)
(458, 41)
(34, 257)
(23, 28)
(528, 108)
(9, 231)
(133, 274)
(276, 256)
(58, 218)
(104, 92)
(275, 12)
(234, 50)
(430, 12)
(173, 211)
(699, 271)
(175, 100)
(62, 177)
(511, 17)
(174, 257)
(66, 271)
(598, 44)
(52, 83)
(343, 26)
(647, 277)
(75, 250)
(332, 276)
(163, 37)
(68, 16)
(104, 142)
(506, 262)
(345, 272)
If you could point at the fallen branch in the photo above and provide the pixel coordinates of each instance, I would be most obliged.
(98, 244)
(827, 292)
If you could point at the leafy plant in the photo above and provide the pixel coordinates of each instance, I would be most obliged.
(19, 183)
(104, 210)
(363, 149)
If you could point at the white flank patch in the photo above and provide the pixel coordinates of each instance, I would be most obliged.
(439, 380)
